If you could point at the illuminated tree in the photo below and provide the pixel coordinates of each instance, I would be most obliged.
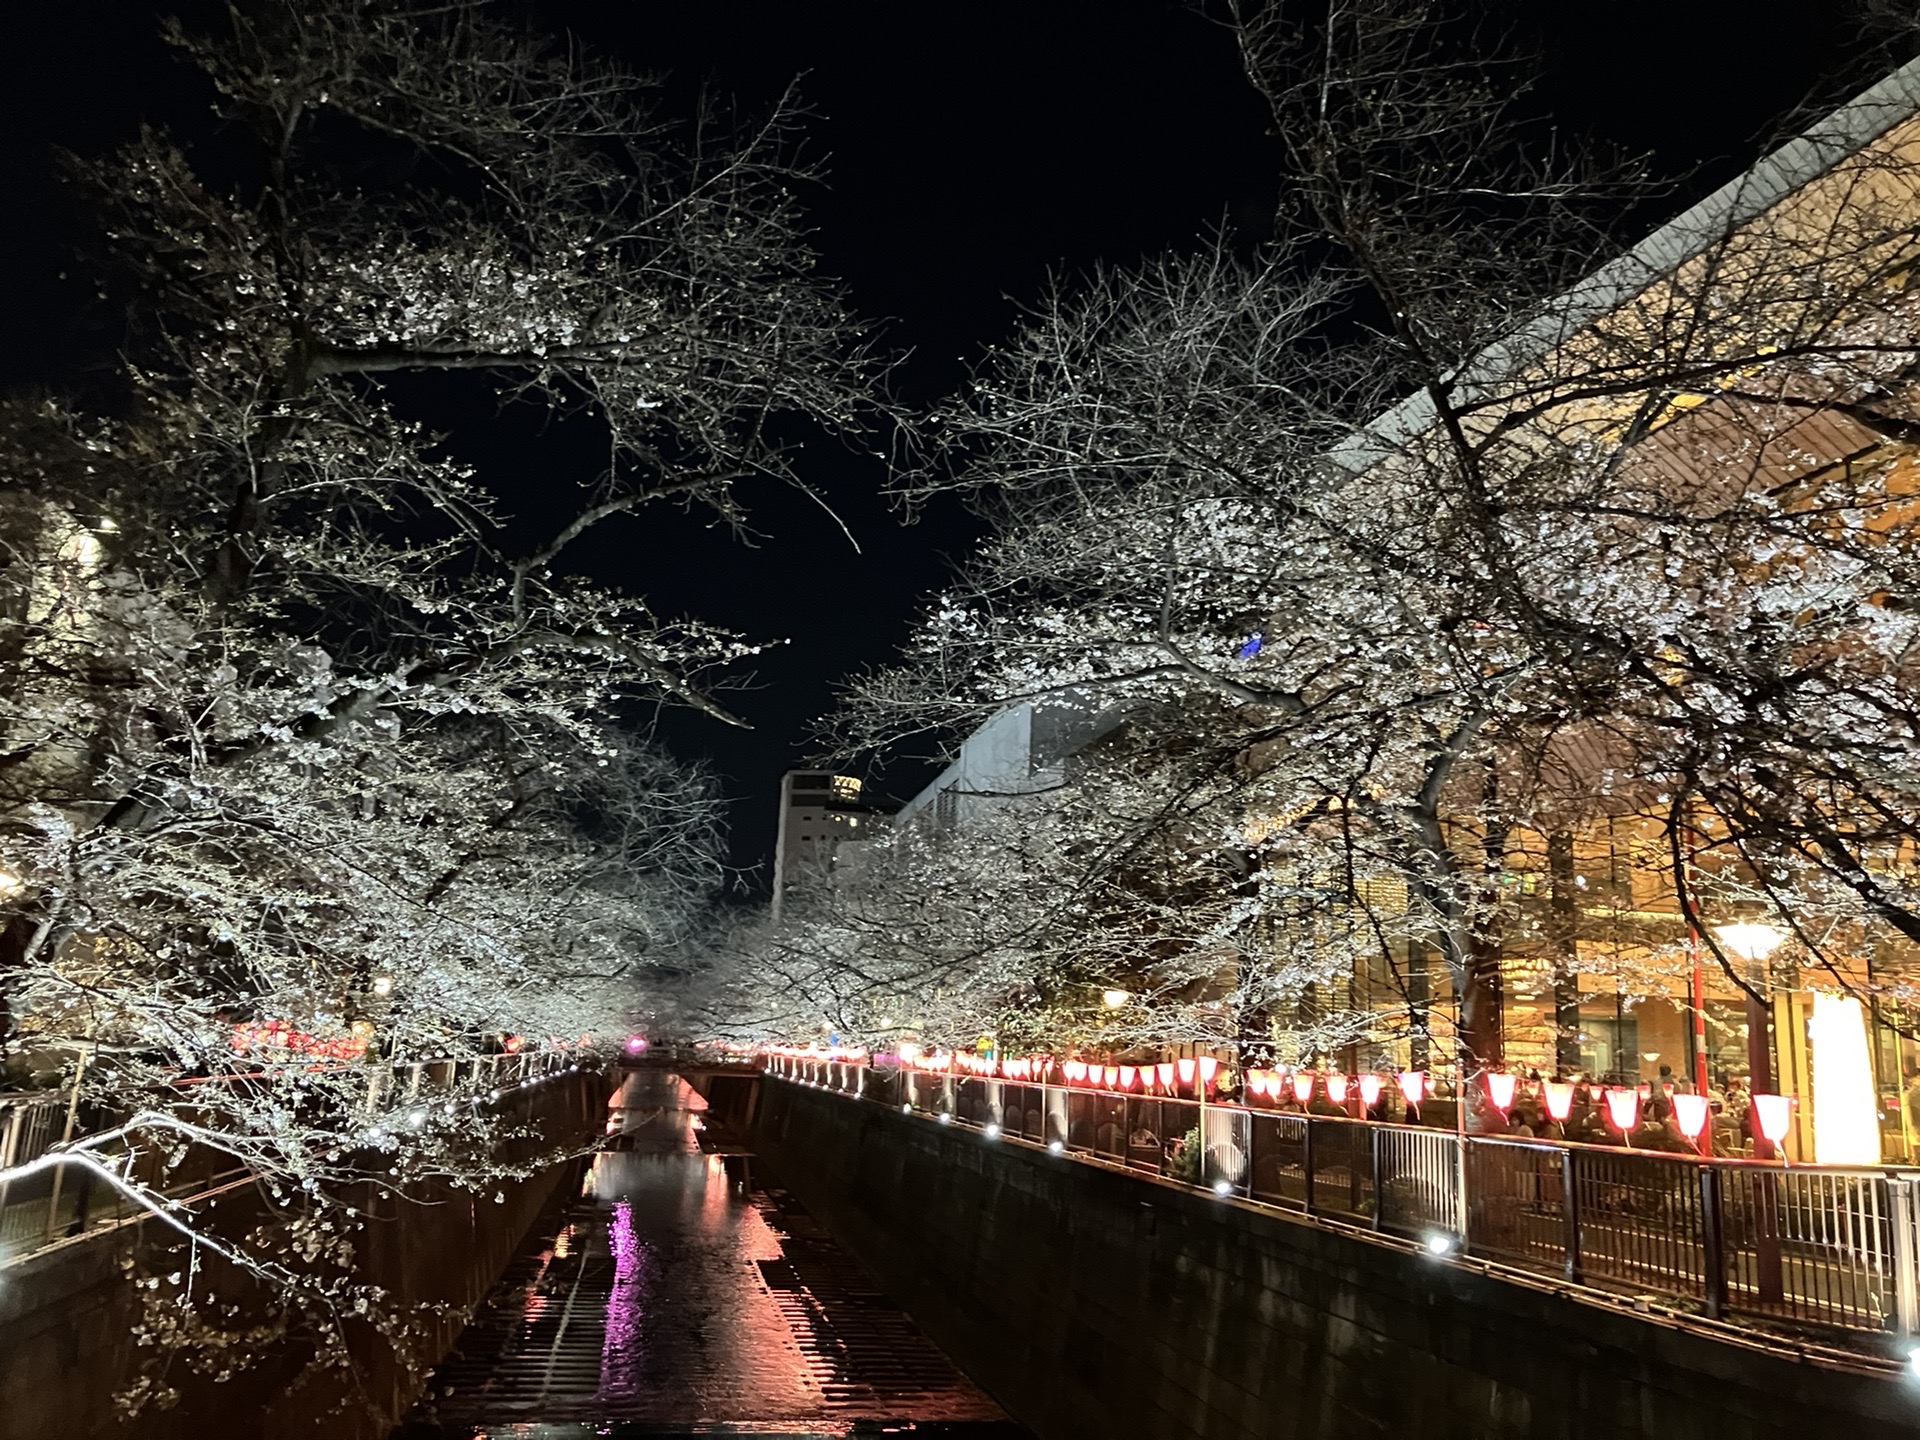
(304, 730)
(1417, 538)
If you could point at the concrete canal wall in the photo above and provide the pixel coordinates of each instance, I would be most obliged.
(1100, 1305)
(68, 1314)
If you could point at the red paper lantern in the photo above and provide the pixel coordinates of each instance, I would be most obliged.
(1209, 1067)
(1110, 1076)
(1165, 1070)
(1076, 1071)
(1337, 1089)
(1303, 1085)
(1774, 1114)
(1559, 1097)
(1690, 1114)
(1500, 1087)
(1413, 1084)
(1623, 1107)
(1369, 1090)
(1185, 1069)
(1126, 1077)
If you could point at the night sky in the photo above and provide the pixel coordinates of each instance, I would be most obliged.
(973, 146)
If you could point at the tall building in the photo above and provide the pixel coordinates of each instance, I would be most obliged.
(819, 813)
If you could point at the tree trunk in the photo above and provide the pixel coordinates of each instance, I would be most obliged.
(1563, 937)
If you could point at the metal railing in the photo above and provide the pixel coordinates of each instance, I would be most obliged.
(66, 1198)
(1826, 1249)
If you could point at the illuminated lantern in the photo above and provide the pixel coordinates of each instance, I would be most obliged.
(1690, 1114)
(1185, 1069)
(1126, 1077)
(1165, 1071)
(1646, 1090)
(1559, 1097)
(1209, 1067)
(1500, 1086)
(1623, 1107)
(1076, 1071)
(1337, 1089)
(1369, 1090)
(1303, 1085)
(1413, 1084)
(1775, 1115)
(1110, 1076)
(514, 1042)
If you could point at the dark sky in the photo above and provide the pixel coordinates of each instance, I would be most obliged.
(973, 145)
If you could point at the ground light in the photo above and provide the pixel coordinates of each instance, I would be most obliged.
(1439, 1245)
(1913, 1363)
(1223, 1187)
(945, 1118)
(991, 1130)
(907, 1109)
(1055, 1147)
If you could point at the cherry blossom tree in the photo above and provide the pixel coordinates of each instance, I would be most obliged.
(307, 734)
(1442, 527)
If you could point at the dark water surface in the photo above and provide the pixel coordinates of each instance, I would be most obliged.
(679, 1296)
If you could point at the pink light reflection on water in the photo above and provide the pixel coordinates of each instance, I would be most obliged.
(620, 1354)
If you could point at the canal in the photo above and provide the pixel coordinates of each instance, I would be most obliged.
(682, 1293)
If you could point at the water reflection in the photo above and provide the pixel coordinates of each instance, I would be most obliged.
(677, 1292)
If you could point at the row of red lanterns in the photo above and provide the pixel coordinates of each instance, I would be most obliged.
(1621, 1102)
(1167, 1074)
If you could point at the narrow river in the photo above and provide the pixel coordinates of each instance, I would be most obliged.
(679, 1295)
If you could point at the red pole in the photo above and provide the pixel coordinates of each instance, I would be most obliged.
(1699, 1023)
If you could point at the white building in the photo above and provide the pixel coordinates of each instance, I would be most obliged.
(819, 813)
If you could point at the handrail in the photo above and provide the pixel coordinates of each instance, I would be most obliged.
(1831, 1251)
(39, 1209)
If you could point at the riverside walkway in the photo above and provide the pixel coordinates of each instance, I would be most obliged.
(677, 1293)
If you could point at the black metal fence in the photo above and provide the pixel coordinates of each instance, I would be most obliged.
(1816, 1247)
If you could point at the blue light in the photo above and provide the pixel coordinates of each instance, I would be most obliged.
(1252, 647)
